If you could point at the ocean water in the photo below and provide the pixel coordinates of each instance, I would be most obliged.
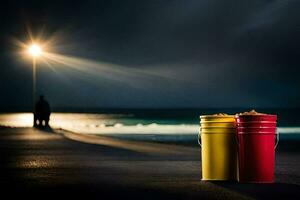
(121, 125)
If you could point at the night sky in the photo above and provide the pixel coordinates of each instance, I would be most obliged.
(175, 54)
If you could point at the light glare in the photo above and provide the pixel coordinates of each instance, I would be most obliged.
(35, 50)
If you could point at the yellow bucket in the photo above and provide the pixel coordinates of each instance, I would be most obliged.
(218, 149)
(217, 118)
(217, 124)
(217, 130)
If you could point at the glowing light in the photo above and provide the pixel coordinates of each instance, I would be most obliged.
(35, 50)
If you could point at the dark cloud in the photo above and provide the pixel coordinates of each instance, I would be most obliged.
(197, 53)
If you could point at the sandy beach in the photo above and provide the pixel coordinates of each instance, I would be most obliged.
(52, 164)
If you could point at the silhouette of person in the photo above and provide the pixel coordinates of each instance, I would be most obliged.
(41, 113)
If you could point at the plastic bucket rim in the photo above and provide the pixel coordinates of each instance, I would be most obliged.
(222, 127)
(257, 126)
(218, 124)
(216, 116)
(226, 122)
(211, 122)
(218, 127)
(262, 114)
(242, 127)
(257, 121)
(214, 132)
(256, 132)
(217, 132)
(261, 122)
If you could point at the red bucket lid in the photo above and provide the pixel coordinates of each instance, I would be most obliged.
(255, 116)
(248, 118)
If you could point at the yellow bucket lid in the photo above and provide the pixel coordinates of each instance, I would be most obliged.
(217, 118)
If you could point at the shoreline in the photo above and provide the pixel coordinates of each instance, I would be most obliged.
(190, 139)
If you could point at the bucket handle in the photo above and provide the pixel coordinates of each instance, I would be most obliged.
(237, 139)
(199, 137)
(277, 138)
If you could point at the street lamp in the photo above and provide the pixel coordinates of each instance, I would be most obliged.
(34, 50)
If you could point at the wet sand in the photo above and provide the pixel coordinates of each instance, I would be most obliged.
(57, 164)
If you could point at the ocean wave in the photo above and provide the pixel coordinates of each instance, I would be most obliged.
(154, 128)
(135, 129)
(111, 124)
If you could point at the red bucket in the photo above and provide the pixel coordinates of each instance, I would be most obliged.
(256, 118)
(256, 149)
(256, 124)
(256, 129)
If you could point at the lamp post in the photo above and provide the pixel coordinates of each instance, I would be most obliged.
(34, 51)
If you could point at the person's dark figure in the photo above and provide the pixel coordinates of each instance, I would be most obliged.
(41, 113)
